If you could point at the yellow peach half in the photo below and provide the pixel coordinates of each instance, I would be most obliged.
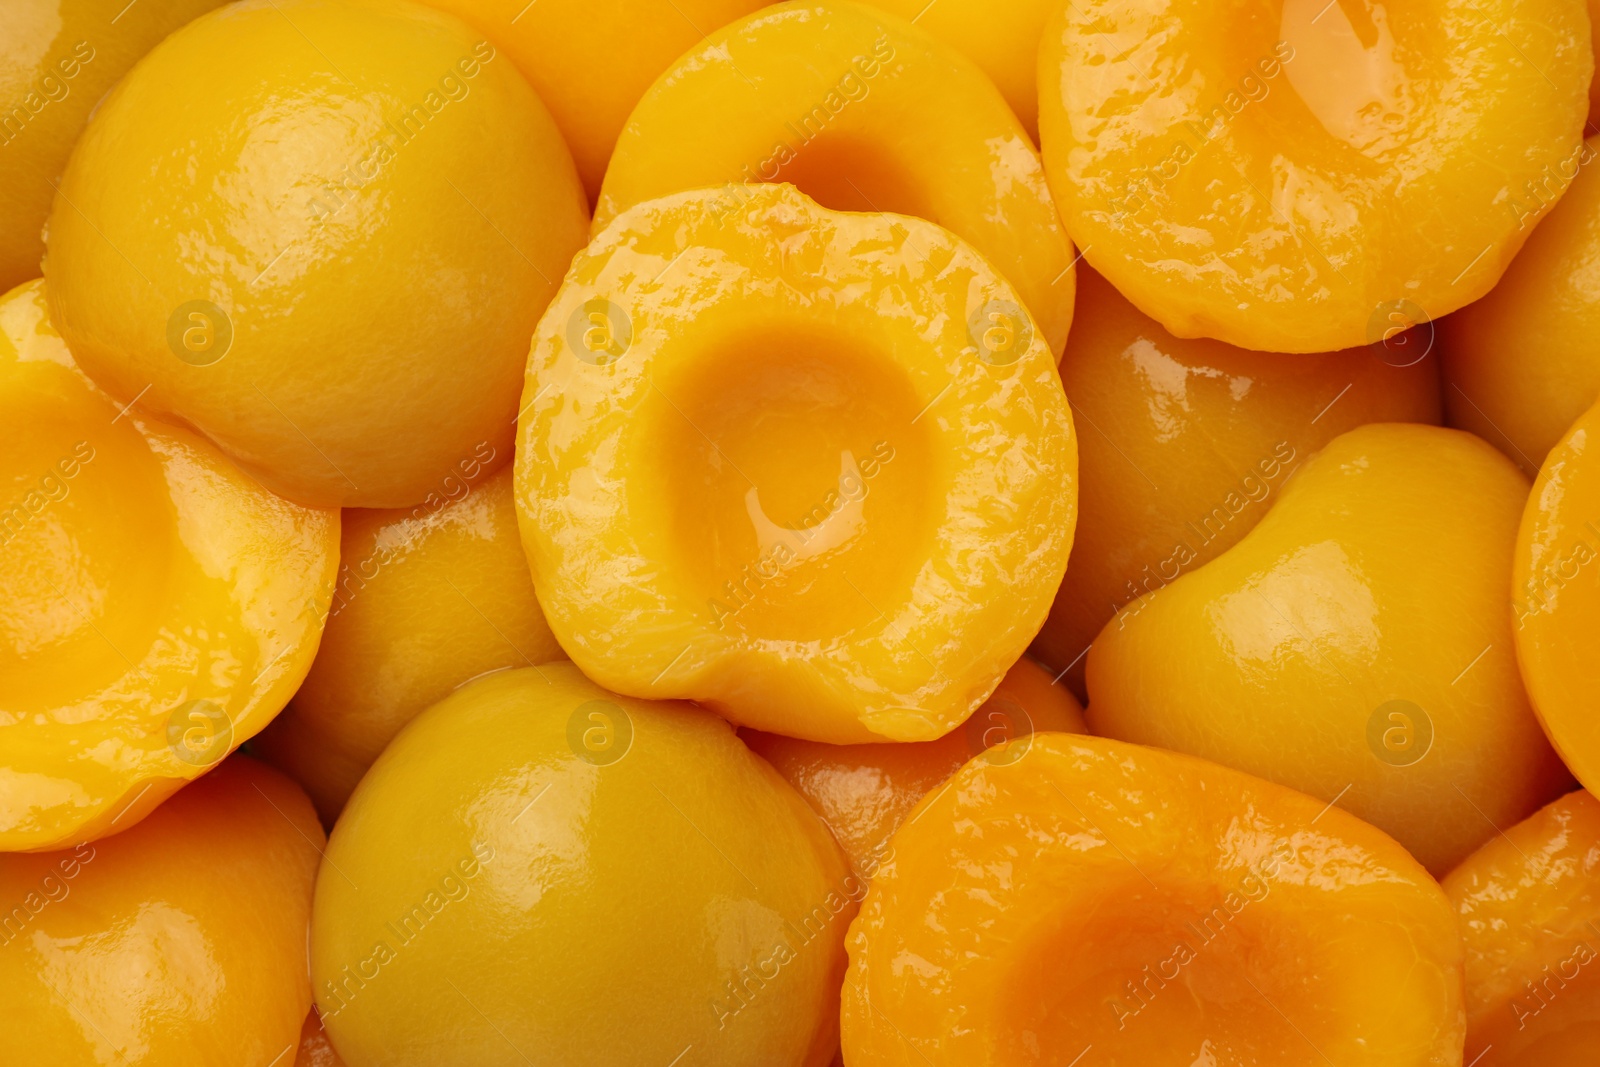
(538, 871)
(157, 606)
(179, 942)
(812, 469)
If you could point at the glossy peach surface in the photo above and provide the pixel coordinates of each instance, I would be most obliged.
(330, 260)
(538, 868)
(764, 464)
(426, 598)
(1556, 596)
(864, 792)
(177, 943)
(57, 58)
(1355, 645)
(315, 1049)
(852, 106)
(591, 60)
(1003, 39)
(1529, 906)
(1521, 364)
(1295, 175)
(1098, 903)
(1594, 85)
(1187, 442)
(157, 606)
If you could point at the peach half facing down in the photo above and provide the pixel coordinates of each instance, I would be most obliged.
(1521, 364)
(157, 606)
(427, 598)
(1100, 904)
(812, 469)
(1189, 440)
(180, 942)
(341, 220)
(1355, 645)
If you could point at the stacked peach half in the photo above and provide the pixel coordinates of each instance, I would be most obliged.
(705, 533)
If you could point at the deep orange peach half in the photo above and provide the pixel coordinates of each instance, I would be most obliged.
(1096, 903)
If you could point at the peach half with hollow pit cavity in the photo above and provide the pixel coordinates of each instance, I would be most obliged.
(812, 469)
